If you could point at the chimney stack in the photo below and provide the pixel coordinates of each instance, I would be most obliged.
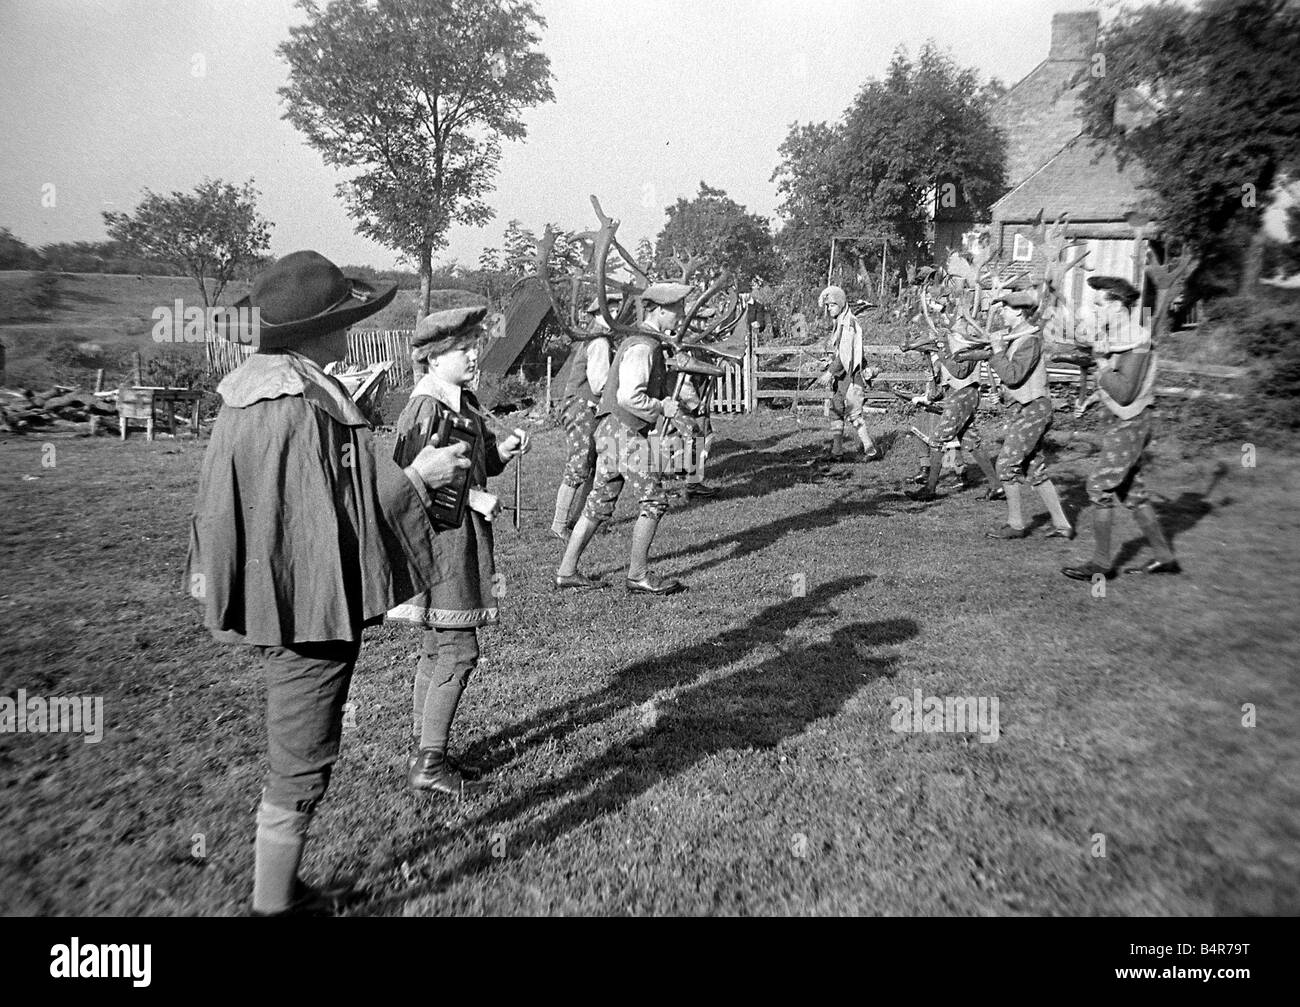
(1074, 35)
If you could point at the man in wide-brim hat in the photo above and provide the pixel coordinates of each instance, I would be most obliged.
(302, 534)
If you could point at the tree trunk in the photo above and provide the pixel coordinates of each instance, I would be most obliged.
(1252, 263)
(426, 279)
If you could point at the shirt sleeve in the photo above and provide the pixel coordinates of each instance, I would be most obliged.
(957, 368)
(1123, 381)
(1014, 369)
(633, 381)
(598, 364)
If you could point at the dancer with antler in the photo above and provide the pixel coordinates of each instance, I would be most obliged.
(957, 384)
(582, 391)
(847, 376)
(1126, 386)
(636, 395)
(1016, 356)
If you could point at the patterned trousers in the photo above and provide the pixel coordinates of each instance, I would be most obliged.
(1021, 458)
(958, 420)
(625, 457)
(580, 431)
(1118, 475)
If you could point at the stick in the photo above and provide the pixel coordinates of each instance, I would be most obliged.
(519, 466)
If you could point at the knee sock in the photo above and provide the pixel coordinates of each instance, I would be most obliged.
(1103, 519)
(281, 836)
(419, 694)
(837, 442)
(1015, 517)
(563, 504)
(868, 445)
(457, 657)
(642, 535)
(936, 468)
(1047, 491)
(580, 501)
(1150, 524)
(986, 466)
(582, 534)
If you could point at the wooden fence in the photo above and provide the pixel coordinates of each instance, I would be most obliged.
(365, 347)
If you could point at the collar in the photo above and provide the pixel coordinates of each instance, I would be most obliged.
(265, 376)
(446, 392)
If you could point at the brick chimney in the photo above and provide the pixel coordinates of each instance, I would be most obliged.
(1074, 35)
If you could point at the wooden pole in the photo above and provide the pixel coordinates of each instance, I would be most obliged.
(548, 384)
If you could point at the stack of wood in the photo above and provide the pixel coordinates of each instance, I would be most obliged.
(60, 407)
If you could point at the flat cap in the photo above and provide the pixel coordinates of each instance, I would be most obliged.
(1019, 298)
(666, 294)
(1117, 287)
(445, 326)
(612, 297)
(833, 295)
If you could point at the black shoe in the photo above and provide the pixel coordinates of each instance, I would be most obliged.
(920, 494)
(562, 536)
(433, 772)
(1160, 566)
(578, 582)
(874, 455)
(700, 490)
(1008, 531)
(1066, 533)
(995, 493)
(309, 901)
(1088, 571)
(920, 478)
(469, 772)
(650, 584)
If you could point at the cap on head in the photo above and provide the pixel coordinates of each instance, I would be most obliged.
(440, 331)
(1116, 287)
(832, 295)
(666, 295)
(611, 298)
(1023, 300)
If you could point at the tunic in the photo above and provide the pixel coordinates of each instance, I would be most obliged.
(462, 595)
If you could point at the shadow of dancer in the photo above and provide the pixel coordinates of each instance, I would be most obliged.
(750, 708)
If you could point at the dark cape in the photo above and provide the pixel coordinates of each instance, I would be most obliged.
(300, 532)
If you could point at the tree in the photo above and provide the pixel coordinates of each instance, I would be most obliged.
(1219, 92)
(879, 170)
(716, 228)
(16, 253)
(211, 233)
(416, 96)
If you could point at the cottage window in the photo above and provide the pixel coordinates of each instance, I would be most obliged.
(1022, 250)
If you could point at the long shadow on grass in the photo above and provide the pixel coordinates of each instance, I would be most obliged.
(756, 706)
(748, 541)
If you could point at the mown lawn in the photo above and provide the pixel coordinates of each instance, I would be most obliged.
(727, 750)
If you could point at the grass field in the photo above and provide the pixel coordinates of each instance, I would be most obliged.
(728, 750)
(116, 313)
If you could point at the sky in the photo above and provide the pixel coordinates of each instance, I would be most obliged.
(101, 99)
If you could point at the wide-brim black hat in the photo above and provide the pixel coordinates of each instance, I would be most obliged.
(300, 296)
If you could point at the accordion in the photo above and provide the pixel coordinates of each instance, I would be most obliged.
(448, 508)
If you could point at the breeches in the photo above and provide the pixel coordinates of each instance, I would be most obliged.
(957, 421)
(1021, 458)
(624, 456)
(848, 395)
(306, 687)
(1118, 475)
(580, 432)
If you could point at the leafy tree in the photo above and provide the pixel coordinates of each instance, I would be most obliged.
(716, 228)
(1219, 90)
(16, 253)
(416, 96)
(211, 232)
(878, 170)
